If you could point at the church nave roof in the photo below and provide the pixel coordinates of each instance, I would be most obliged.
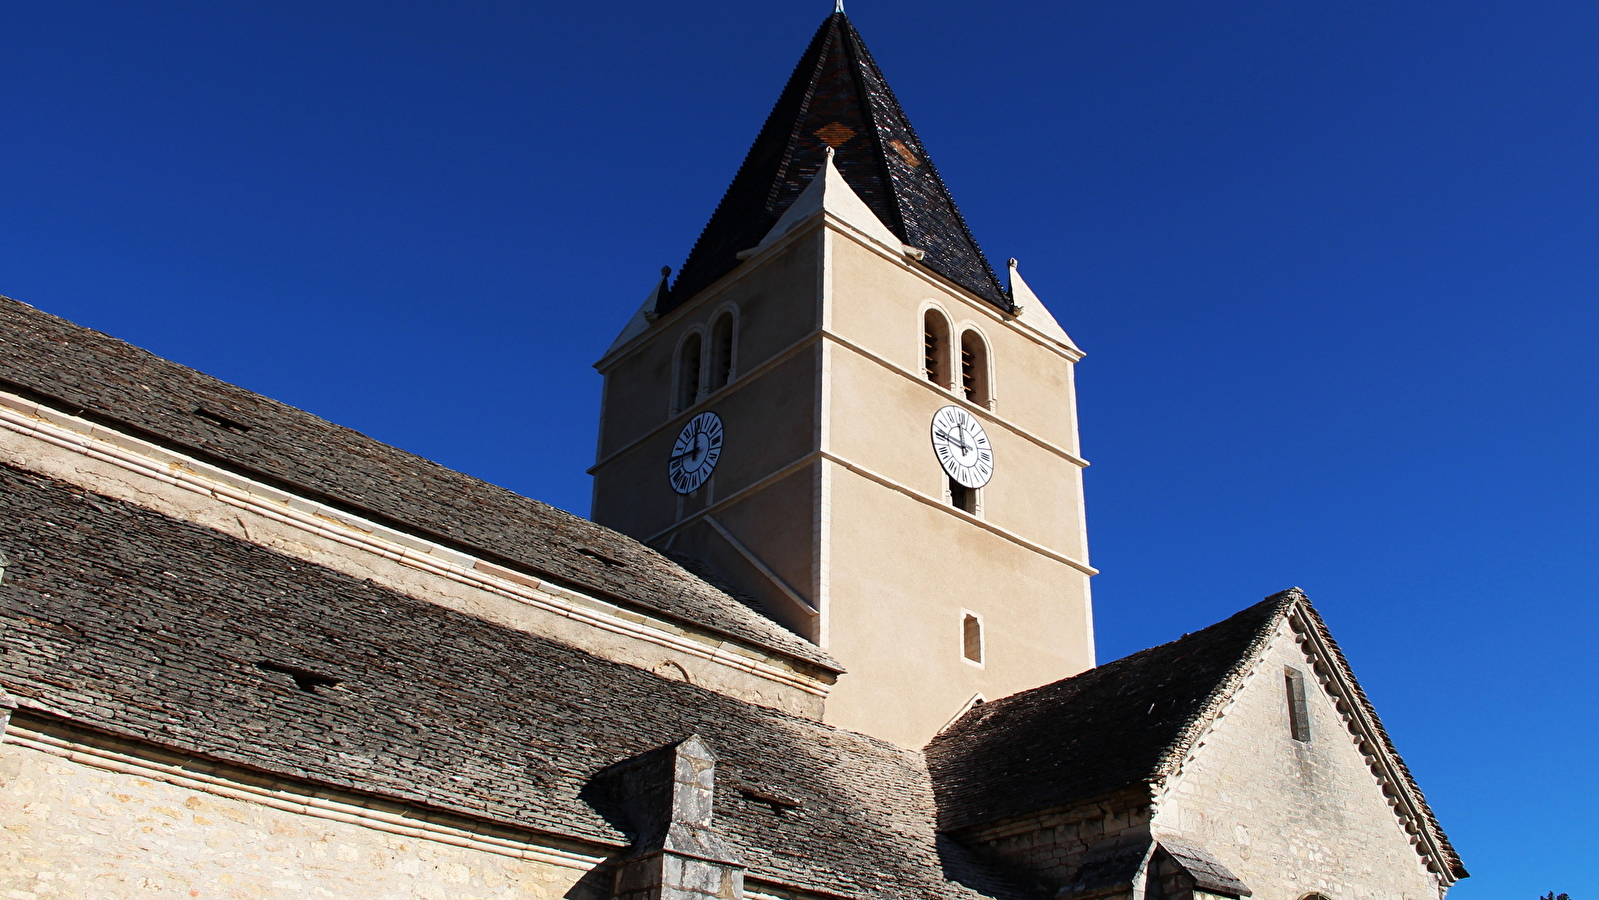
(94, 376)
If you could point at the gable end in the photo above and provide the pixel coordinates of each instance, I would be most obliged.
(1337, 679)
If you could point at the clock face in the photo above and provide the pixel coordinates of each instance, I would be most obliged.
(694, 456)
(962, 446)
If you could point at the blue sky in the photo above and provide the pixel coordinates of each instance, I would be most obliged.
(1335, 266)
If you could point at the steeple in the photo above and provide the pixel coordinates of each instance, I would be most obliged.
(837, 99)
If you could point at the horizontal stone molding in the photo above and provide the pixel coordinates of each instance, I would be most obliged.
(984, 524)
(958, 399)
(746, 378)
(885, 481)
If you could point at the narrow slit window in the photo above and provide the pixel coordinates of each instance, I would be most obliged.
(935, 348)
(688, 373)
(972, 639)
(962, 497)
(974, 368)
(1298, 709)
(722, 351)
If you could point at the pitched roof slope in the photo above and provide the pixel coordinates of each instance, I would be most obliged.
(1106, 729)
(134, 623)
(838, 98)
(1132, 723)
(90, 374)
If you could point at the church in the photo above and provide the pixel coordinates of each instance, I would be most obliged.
(828, 635)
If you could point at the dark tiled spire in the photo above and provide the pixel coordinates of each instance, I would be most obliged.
(837, 97)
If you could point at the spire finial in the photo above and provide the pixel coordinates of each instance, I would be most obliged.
(838, 6)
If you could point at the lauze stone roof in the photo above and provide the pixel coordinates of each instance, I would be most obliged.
(100, 378)
(1083, 737)
(143, 626)
(1129, 724)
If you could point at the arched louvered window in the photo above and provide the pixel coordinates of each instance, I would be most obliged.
(935, 348)
(721, 369)
(974, 367)
(688, 372)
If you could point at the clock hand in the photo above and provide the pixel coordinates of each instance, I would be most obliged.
(957, 442)
(954, 440)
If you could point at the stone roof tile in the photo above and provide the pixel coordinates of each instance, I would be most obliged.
(1103, 730)
(125, 620)
(96, 376)
(1131, 723)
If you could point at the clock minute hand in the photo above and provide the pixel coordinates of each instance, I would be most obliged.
(956, 441)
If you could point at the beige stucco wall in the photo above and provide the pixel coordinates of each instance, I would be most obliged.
(905, 572)
(775, 561)
(878, 304)
(829, 485)
(76, 830)
(880, 419)
(776, 305)
(1291, 817)
(769, 421)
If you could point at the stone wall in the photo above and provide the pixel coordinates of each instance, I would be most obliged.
(1291, 817)
(89, 817)
(1049, 846)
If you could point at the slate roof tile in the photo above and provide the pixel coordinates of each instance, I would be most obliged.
(838, 97)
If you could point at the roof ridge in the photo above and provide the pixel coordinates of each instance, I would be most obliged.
(1171, 760)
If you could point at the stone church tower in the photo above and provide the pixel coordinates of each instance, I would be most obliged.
(839, 409)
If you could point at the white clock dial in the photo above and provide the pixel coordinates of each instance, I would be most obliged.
(962, 446)
(694, 455)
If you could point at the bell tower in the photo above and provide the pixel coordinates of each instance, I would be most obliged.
(838, 408)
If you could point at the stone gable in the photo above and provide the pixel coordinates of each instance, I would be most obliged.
(1288, 816)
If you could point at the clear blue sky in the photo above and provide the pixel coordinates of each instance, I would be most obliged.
(1335, 266)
